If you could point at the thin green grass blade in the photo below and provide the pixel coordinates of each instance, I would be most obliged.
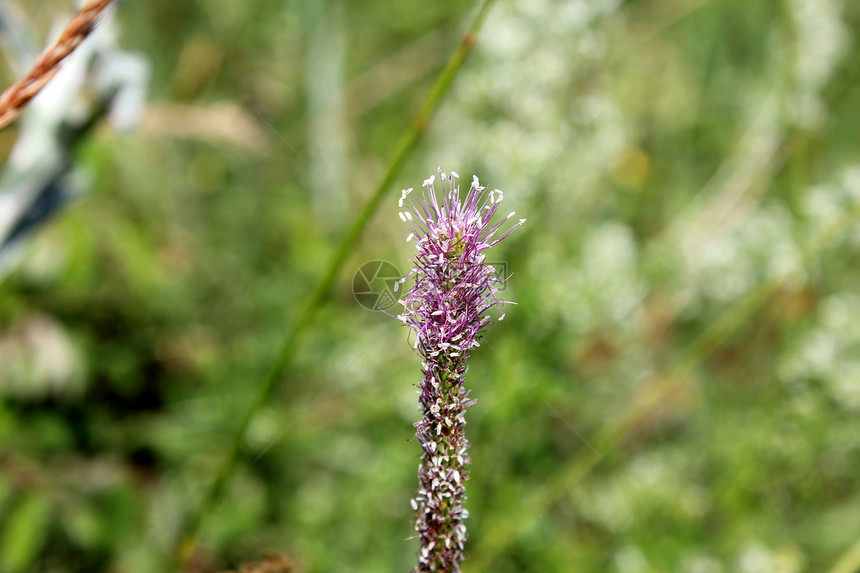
(305, 318)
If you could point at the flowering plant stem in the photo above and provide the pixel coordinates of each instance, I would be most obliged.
(266, 390)
(446, 309)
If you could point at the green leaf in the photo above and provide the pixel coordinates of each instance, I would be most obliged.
(24, 534)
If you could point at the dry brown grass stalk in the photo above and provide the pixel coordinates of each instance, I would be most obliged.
(18, 95)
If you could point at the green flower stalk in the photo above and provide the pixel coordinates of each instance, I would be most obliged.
(446, 309)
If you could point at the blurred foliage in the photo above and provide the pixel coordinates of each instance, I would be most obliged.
(678, 388)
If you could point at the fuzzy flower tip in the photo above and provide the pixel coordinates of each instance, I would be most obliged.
(446, 309)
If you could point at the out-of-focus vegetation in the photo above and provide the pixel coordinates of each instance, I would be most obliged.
(678, 388)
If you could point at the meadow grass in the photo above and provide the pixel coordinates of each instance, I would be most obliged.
(181, 355)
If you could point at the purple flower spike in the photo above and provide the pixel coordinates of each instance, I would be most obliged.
(446, 309)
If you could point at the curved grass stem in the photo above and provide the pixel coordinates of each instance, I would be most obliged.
(266, 390)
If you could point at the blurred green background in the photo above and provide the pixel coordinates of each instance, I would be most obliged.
(678, 388)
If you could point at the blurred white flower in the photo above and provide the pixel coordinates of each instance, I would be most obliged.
(38, 178)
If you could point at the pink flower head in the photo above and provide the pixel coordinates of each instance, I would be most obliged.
(453, 284)
(446, 309)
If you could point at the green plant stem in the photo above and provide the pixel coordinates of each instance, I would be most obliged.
(284, 358)
(522, 516)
